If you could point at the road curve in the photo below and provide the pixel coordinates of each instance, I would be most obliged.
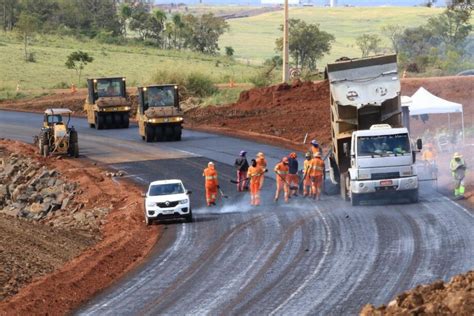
(304, 257)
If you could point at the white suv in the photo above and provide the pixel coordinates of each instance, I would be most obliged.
(167, 199)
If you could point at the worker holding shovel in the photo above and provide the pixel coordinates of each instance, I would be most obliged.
(306, 175)
(316, 174)
(254, 173)
(211, 184)
(261, 162)
(281, 170)
(293, 178)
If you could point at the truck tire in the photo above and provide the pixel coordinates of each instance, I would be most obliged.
(343, 185)
(109, 121)
(75, 150)
(177, 130)
(149, 133)
(45, 150)
(147, 221)
(168, 133)
(125, 120)
(117, 120)
(355, 199)
(99, 121)
(414, 197)
(159, 133)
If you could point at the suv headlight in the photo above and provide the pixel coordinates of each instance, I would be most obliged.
(183, 201)
(150, 204)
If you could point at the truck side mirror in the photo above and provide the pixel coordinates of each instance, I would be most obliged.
(419, 144)
(189, 192)
(345, 149)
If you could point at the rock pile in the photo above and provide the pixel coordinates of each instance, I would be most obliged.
(438, 298)
(32, 191)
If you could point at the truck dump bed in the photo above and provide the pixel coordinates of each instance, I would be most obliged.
(363, 92)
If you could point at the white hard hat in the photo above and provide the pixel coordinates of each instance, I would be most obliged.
(210, 163)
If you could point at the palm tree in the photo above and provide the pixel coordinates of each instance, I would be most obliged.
(177, 25)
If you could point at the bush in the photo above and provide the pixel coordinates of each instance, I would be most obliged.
(105, 37)
(263, 78)
(200, 85)
(31, 57)
(195, 84)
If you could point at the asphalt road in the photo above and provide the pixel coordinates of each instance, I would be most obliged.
(302, 258)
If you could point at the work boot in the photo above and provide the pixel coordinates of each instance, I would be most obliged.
(276, 200)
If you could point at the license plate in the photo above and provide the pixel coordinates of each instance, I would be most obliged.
(385, 183)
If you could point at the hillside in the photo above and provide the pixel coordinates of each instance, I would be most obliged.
(137, 63)
(253, 38)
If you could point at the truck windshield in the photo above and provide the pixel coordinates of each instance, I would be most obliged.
(383, 145)
(166, 189)
(56, 118)
(160, 96)
(109, 87)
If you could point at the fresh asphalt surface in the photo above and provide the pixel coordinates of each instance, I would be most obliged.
(302, 258)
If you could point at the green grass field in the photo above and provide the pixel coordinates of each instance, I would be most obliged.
(137, 63)
(253, 38)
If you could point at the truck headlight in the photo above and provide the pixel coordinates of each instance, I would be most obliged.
(185, 201)
(407, 172)
(363, 175)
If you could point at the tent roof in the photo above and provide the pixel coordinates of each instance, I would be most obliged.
(423, 102)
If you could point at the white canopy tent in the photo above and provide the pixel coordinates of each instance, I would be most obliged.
(423, 102)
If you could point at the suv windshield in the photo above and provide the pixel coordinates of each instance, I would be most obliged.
(383, 145)
(166, 189)
(109, 87)
(160, 96)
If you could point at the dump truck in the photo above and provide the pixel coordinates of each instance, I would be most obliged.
(56, 136)
(371, 154)
(159, 115)
(107, 105)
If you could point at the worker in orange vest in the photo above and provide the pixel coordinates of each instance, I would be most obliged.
(211, 183)
(261, 162)
(315, 147)
(307, 174)
(316, 174)
(293, 178)
(254, 173)
(281, 170)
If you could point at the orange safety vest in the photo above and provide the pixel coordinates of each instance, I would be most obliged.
(261, 162)
(428, 155)
(210, 176)
(282, 170)
(307, 167)
(315, 150)
(317, 167)
(255, 173)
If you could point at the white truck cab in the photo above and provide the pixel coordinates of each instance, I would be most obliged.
(167, 199)
(382, 163)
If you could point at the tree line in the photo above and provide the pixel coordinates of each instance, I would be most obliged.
(112, 23)
(445, 42)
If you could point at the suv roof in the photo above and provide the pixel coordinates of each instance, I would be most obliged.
(166, 182)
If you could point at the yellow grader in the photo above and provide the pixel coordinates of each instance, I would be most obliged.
(56, 137)
(107, 105)
(159, 115)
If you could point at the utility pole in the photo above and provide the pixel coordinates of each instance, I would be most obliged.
(285, 44)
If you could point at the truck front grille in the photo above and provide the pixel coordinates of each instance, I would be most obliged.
(385, 175)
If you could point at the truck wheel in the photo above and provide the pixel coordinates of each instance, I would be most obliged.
(99, 121)
(40, 146)
(75, 150)
(117, 119)
(45, 150)
(414, 197)
(355, 199)
(125, 120)
(169, 133)
(343, 185)
(109, 121)
(149, 133)
(159, 133)
(177, 132)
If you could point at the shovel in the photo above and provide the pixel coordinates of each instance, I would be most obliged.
(246, 179)
(292, 187)
(222, 194)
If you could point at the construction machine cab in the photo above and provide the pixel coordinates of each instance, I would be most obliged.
(54, 117)
(106, 88)
(159, 115)
(158, 96)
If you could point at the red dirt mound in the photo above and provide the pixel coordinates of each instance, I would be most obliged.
(290, 112)
(438, 298)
